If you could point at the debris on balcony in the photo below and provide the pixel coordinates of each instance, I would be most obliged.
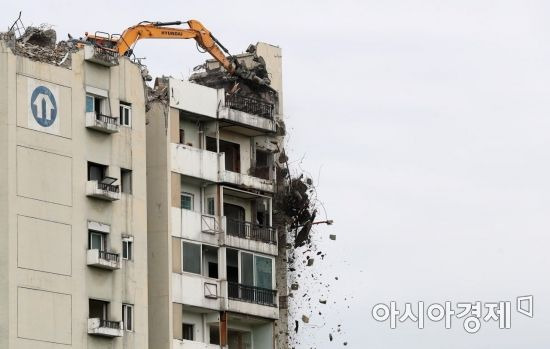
(39, 44)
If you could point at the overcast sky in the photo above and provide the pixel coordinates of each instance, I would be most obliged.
(425, 124)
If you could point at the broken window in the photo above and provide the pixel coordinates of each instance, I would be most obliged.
(232, 155)
(126, 180)
(125, 110)
(263, 164)
(96, 104)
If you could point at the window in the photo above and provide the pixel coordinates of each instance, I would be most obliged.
(188, 331)
(182, 136)
(253, 270)
(264, 272)
(187, 201)
(95, 104)
(210, 261)
(128, 316)
(210, 206)
(127, 248)
(126, 180)
(214, 335)
(97, 309)
(191, 257)
(97, 241)
(96, 171)
(125, 114)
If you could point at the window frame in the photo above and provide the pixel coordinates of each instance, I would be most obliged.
(192, 327)
(200, 257)
(125, 309)
(254, 267)
(124, 106)
(190, 195)
(129, 242)
(103, 237)
(123, 172)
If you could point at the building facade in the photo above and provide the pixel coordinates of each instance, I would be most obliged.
(73, 243)
(211, 179)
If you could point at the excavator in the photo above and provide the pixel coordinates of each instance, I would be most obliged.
(124, 43)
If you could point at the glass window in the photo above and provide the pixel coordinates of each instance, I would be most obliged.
(125, 111)
(187, 201)
(191, 257)
(187, 331)
(126, 180)
(247, 269)
(127, 247)
(210, 208)
(96, 241)
(89, 104)
(264, 276)
(128, 317)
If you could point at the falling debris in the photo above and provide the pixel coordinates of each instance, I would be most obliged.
(310, 262)
(323, 301)
(305, 319)
(332, 237)
(294, 286)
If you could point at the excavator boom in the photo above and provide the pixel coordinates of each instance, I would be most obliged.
(162, 30)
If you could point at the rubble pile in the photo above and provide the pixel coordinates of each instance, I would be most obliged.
(39, 44)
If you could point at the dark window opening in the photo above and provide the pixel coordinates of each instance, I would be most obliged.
(188, 331)
(232, 265)
(211, 144)
(96, 171)
(214, 335)
(98, 309)
(126, 180)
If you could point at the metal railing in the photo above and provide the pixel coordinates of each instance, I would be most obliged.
(106, 54)
(248, 230)
(109, 324)
(108, 187)
(252, 294)
(109, 256)
(249, 105)
(107, 119)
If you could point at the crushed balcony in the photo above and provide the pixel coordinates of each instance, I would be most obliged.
(249, 105)
(104, 189)
(100, 55)
(103, 259)
(102, 123)
(105, 328)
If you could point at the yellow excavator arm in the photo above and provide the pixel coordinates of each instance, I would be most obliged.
(161, 30)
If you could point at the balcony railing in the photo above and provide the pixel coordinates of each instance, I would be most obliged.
(252, 294)
(109, 256)
(106, 119)
(115, 325)
(249, 105)
(108, 187)
(248, 230)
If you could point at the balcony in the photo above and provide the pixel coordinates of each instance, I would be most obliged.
(195, 162)
(247, 115)
(103, 259)
(186, 344)
(100, 55)
(105, 328)
(251, 231)
(103, 190)
(252, 294)
(102, 123)
(247, 181)
(249, 105)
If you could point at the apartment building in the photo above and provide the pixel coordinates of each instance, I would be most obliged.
(73, 244)
(211, 179)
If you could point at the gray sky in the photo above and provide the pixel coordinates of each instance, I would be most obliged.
(425, 125)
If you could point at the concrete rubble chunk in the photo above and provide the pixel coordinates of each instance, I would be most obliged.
(323, 301)
(305, 319)
(294, 287)
(310, 262)
(332, 237)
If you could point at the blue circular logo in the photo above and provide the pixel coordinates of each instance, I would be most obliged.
(43, 106)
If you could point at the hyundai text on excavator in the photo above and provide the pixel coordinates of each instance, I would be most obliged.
(124, 43)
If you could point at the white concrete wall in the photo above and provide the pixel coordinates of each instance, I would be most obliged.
(188, 289)
(197, 163)
(44, 239)
(193, 98)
